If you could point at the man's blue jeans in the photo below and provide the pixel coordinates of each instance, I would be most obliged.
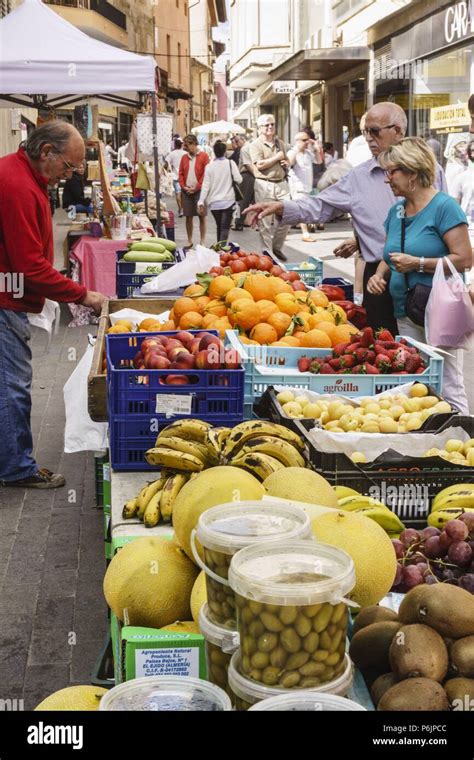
(16, 448)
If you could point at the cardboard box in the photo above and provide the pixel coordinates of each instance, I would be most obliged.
(141, 652)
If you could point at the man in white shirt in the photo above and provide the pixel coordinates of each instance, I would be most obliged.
(110, 154)
(122, 160)
(173, 160)
(300, 177)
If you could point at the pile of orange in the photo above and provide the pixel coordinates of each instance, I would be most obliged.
(264, 309)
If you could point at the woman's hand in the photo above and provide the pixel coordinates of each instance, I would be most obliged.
(201, 209)
(376, 285)
(403, 262)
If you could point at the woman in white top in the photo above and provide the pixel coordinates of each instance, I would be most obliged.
(300, 178)
(217, 191)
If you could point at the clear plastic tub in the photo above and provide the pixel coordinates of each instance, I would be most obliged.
(224, 530)
(309, 703)
(221, 643)
(246, 693)
(166, 694)
(292, 611)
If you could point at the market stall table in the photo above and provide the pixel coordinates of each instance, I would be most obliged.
(97, 259)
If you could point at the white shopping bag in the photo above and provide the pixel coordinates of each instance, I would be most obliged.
(184, 273)
(81, 433)
(50, 314)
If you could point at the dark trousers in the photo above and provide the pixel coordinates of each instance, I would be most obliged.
(379, 308)
(223, 219)
(247, 190)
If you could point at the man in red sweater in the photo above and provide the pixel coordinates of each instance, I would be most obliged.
(190, 177)
(27, 278)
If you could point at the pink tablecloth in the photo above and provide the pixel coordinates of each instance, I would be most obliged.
(97, 258)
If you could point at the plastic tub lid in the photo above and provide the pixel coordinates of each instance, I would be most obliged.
(253, 691)
(308, 702)
(222, 636)
(292, 572)
(232, 526)
(166, 694)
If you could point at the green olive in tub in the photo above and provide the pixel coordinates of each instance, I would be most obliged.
(220, 598)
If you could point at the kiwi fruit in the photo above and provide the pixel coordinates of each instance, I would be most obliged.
(414, 695)
(447, 609)
(369, 647)
(460, 693)
(418, 652)
(373, 614)
(381, 685)
(462, 656)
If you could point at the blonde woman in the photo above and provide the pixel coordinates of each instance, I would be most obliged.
(421, 229)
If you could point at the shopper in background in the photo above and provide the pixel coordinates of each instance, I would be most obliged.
(463, 187)
(364, 194)
(110, 155)
(300, 177)
(122, 160)
(190, 177)
(433, 226)
(358, 150)
(330, 154)
(270, 163)
(247, 187)
(217, 192)
(173, 159)
(73, 193)
(455, 154)
(52, 152)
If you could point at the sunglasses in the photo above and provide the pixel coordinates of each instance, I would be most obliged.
(268, 126)
(375, 131)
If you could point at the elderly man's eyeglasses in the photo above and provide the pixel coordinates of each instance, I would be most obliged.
(268, 126)
(375, 131)
(67, 165)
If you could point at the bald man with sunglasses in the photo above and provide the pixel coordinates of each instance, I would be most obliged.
(364, 194)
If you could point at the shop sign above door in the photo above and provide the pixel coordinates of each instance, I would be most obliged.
(459, 21)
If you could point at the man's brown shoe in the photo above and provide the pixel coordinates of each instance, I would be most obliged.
(43, 479)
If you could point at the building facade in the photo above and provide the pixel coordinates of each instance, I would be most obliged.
(172, 50)
(204, 15)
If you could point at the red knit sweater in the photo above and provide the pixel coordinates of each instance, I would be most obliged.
(26, 239)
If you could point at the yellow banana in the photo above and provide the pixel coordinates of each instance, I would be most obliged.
(440, 517)
(215, 440)
(198, 450)
(152, 511)
(356, 503)
(169, 493)
(458, 487)
(130, 509)
(190, 430)
(461, 499)
(384, 517)
(343, 491)
(261, 465)
(256, 428)
(222, 435)
(146, 494)
(175, 460)
(275, 447)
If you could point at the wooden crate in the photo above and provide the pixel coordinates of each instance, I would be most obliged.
(97, 387)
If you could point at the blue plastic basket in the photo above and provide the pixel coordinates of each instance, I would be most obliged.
(210, 395)
(275, 365)
(347, 286)
(310, 277)
(128, 283)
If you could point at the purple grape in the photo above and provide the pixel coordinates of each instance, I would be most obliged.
(471, 544)
(432, 548)
(460, 553)
(467, 582)
(422, 567)
(431, 579)
(429, 532)
(457, 530)
(412, 576)
(444, 543)
(468, 518)
(409, 536)
(399, 548)
(450, 575)
(418, 559)
(398, 575)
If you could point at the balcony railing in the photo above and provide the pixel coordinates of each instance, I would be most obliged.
(102, 7)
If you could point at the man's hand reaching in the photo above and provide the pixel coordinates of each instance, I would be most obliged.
(346, 249)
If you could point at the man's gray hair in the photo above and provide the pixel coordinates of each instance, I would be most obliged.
(396, 114)
(57, 133)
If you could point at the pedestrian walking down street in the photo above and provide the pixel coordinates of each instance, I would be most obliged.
(270, 163)
(217, 192)
(173, 159)
(52, 152)
(123, 162)
(190, 176)
(364, 194)
(301, 158)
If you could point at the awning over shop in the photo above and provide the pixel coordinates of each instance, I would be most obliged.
(322, 63)
(253, 101)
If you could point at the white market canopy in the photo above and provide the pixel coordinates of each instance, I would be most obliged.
(218, 128)
(41, 54)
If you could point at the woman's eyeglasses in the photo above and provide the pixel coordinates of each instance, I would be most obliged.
(390, 172)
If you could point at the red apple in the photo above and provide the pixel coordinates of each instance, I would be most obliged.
(148, 343)
(293, 276)
(216, 270)
(184, 337)
(193, 346)
(232, 359)
(184, 361)
(284, 276)
(264, 263)
(238, 266)
(276, 271)
(173, 343)
(251, 260)
(202, 360)
(225, 258)
(137, 359)
(153, 361)
(207, 340)
(298, 285)
(177, 380)
(175, 352)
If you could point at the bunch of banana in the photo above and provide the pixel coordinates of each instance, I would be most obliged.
(262, 448)
(460, 495)
(376, 510)
(184, 446)
(216, 439)
(156, 499)
(440, 517)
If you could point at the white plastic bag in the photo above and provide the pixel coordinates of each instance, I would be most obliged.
(81, 433)
(184, 273)
(49, 315)
(449, 318)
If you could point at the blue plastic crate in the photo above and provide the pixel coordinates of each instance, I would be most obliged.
(346, 286)
(310, 277)
(275, 365)
(211, 394)
(131, 437)
(128, 283)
